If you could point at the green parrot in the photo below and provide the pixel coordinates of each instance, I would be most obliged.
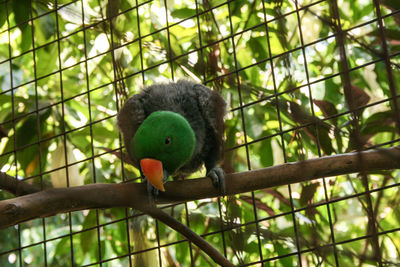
(173, 129)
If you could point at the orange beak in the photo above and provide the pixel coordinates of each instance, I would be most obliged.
(153, 170)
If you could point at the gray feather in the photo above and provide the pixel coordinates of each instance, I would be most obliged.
(203, 108)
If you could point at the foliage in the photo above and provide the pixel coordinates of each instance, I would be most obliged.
(65, 69)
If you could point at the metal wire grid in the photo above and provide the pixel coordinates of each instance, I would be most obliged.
(241, 109)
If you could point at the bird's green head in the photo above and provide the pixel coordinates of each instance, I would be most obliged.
(165, 141)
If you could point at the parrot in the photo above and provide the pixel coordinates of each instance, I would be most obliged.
(173, 129)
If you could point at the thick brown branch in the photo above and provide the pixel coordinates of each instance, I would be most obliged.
(94, 199)
(289, 173)
(15, 186)
(58, 200)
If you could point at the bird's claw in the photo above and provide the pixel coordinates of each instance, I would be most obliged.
(152, 193)
(217, 176)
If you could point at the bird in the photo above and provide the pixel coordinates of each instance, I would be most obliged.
(173, 129)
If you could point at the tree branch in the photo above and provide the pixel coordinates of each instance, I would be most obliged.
(81, 198)
(15, 186)
(58, 200)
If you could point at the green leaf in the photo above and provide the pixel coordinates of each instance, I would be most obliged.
(379, 122)
(73, 13)
(393, 4)
(392, 34)
(3, 14)
(238, 240)
(47, 24)
(46, 60)
(87, 237)
(255, 123)
(26, 40)
(258, 46)
(332, 92)
(183, 13)
(380, 117)
(265, 152)
(62, 250)
(8, 148)
(286, 261)
(22, 9)
(28, 134)
(276, 46)
(236, 8)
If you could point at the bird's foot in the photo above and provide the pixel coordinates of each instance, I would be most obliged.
(152, 193)
(217, 176)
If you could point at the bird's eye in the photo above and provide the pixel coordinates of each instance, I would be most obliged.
(167, 141)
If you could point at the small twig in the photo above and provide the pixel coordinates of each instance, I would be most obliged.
(197, 250)
(188, 233)
(352, 105)
(171, 261)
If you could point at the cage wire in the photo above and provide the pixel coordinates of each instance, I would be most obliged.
(302, 78)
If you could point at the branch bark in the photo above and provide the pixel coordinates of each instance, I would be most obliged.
(58, 200)
(74, 195)
(134, 195)
(15, 186)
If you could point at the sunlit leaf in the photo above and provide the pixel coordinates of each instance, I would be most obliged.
(183, 13)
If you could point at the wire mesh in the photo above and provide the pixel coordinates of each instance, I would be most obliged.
(302, 79)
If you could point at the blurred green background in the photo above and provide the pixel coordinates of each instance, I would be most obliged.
(66, 67)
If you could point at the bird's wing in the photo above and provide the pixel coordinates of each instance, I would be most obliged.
(213, 109)
(130, 117)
